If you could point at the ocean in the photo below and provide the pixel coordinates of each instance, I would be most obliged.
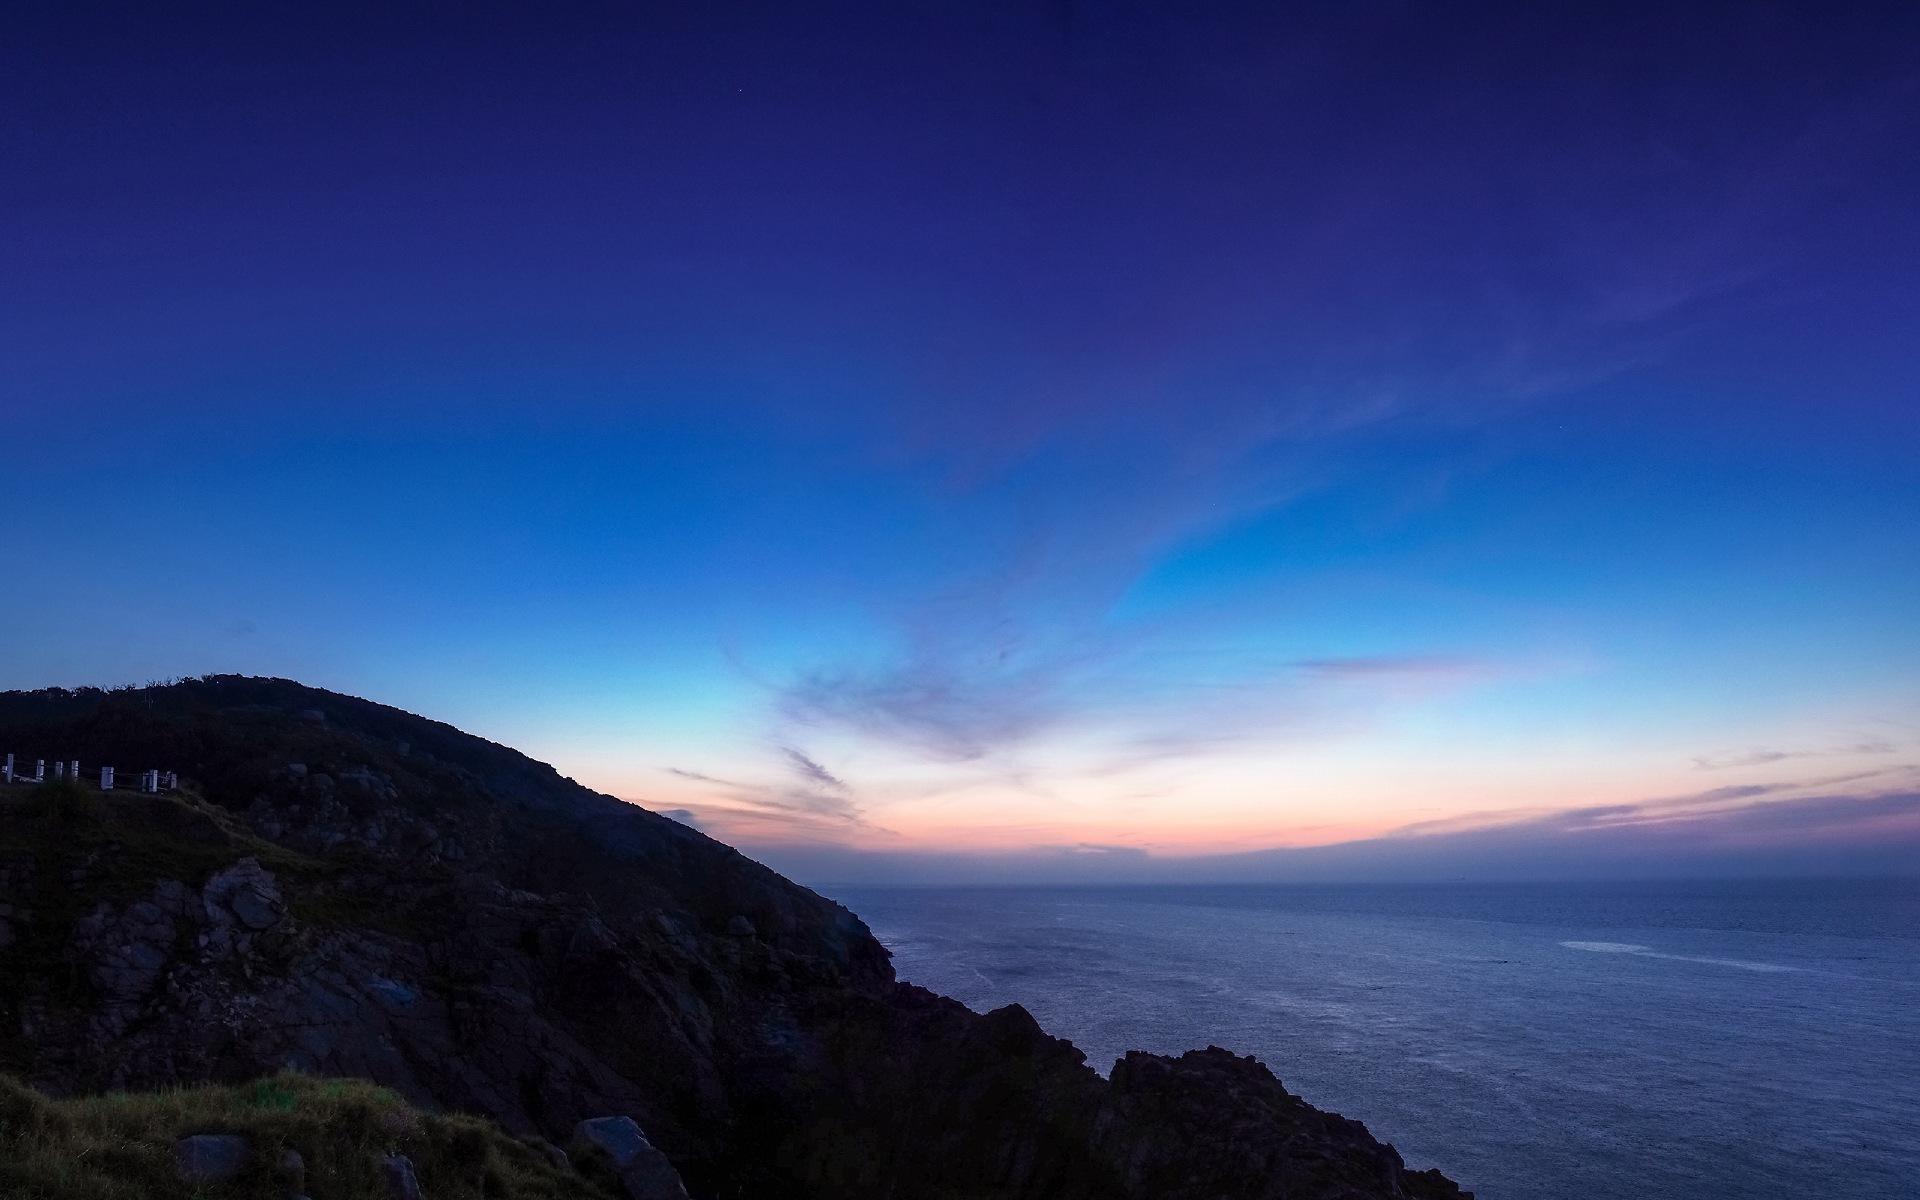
(1535, 1042)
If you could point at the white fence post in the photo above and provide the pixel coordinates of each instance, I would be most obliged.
(9, 768)
(59, 770)
(39, 770)
(173, 780)
(106, 779)
(73, 770)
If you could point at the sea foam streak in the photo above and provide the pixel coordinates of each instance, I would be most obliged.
(1650, 952)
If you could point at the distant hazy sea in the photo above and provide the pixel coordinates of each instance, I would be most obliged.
(1684, 1041)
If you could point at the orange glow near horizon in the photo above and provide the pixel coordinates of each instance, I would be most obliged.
(1223, 808)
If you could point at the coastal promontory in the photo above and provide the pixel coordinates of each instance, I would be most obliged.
(345, 891)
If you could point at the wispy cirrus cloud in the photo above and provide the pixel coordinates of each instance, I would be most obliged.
(699, 777)
(813, 804)
(774, 816)
(811, 771)
(1099, 850)
(944, 708)
(1691, 809)
(1015, 657)
(1397, 666)
(986, 711)
(1760, 758)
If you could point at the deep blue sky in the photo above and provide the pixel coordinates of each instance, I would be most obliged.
(1038, 440)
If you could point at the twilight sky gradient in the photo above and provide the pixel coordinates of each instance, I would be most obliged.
(991, 441)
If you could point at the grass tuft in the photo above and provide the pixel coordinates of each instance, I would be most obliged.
(119, 1146)
(63, 804)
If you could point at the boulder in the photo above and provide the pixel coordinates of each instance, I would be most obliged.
(255, 910)
(292, 1172)
(402, 1184)
(644, 1172)
(239, 902)
(211, 1157)
(367, 780)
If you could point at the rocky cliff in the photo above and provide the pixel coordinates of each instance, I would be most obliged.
(346, 889)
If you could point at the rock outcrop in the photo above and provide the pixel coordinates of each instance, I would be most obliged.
(211, 1157)
(402, 1183)
(448, 918)
(643, 1172)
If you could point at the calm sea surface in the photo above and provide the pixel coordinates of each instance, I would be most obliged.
(1650, 1040)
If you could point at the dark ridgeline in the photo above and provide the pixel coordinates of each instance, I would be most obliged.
(349, 889)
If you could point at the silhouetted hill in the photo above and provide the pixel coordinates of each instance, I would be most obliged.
(347, 889)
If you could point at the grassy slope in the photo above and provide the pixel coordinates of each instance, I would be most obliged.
(120, 1146)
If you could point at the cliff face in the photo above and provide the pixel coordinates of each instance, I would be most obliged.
(352, 890)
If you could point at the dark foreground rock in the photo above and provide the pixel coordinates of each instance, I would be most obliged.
(402, 1183)
(212, 1157)
(352, 890)
(643, 1172)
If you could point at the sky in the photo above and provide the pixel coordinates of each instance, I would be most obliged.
(986, 442)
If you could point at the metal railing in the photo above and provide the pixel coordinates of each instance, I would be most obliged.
(153, 780)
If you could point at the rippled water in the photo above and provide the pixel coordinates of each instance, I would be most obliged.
(1649, 1040)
